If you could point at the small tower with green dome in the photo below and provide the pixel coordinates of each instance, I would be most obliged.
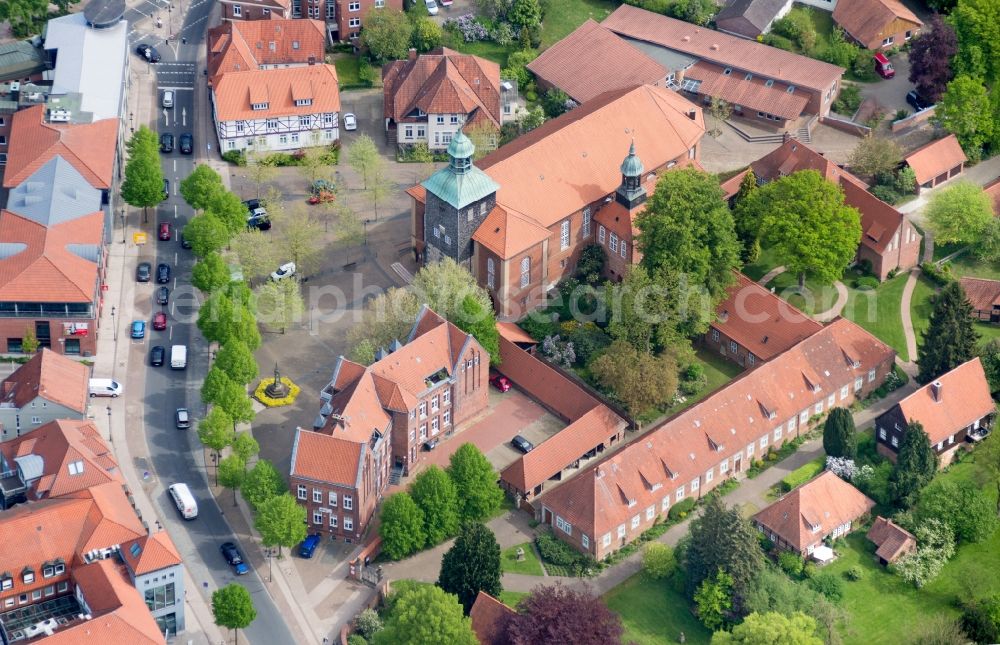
(459, 197)
(631, 193)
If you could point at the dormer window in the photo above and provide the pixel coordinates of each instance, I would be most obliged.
(60, 567)
(28, 576)
(75, 467)
(303, 102)
(631, 503)
(656, 486)
(791, 89)
(259, 106)
(6, 582)
(48, 571)
(727, 71)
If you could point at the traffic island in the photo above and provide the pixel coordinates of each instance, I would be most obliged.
(276, 392)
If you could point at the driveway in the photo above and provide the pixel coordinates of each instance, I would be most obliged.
(890, 94)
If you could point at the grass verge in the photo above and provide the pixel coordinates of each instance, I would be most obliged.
(654, 612)
(530, 566)
(878, 312)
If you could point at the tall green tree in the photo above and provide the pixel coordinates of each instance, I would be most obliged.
(427, 34)
(201, 186)
(210, 273)
(687, 230)
(444, 285)
(977, 25)
(379, 185)
(280, 303)
(281, 521)
(386, 35)
(434, 492)
(473, 318)
(232, 607)
(246, 447)
(260, 169)
(525, 13)
(915, 466)
(874, 155)
(215, 317)
(262, 482)
(230, 210)
(771, 628)
(472, 565)
(963, 506)
(401, 526)
(215, 383)
(476, 483)
(362, 154)
(237, 361)
(638, 380)
(965, 111)
(804, 220)
(257, 253)
(643, 312)
(959, 214)
(244, 327)
(721, 539)
(302, 241)
(143, 183)
(981, 619)
(951, 337)
(714, 599)
(426, 615)
(207, 234)
(232, 472)
(237, 404)
(988, 458)
(989, 356)
(216, 432)
(839, 439)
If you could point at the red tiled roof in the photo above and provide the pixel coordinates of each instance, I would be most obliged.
(793, 156)
(235, 92)
(110, 519)
(442, 81)
(593, 60)
(823, 504)
(722, 49)
(45, 269)
(891, 539)
(320, 457)
(239, 45)
(565, 397)
(754, 94)
(157, 551)
(964, 398)
(879, 221)
(49, 375)
(60, 443)
(507, 232)
(488, 616)
(736, 415)
(515, 334)
(869, 21)
(933, 159)
(982, 294)
(89, 147)
(761, 321)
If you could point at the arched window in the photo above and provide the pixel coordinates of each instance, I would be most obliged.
(525, 271)
(491, 273)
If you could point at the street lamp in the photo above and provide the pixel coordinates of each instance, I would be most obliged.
(270, 557)
(114, 327)
(131, 122)
(110, 436)
(170, 22)
(121, 213)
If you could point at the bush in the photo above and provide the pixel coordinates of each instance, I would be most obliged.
(827, 584)
(866, 283)
(791, 563)
(803, 474)
(780, 42)
(939, 275)
(862, 65)
(367, 74)
(356, 639)
(368, 623)
(848, 101)
(554, 550)
(234, 157)
(681, 508)
(855, 573)
(809, 570)
(887, 194)
(658, 560)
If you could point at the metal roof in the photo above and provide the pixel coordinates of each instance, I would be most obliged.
(457, 183)
(20, 59)
(53, 194)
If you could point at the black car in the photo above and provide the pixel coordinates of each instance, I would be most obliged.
(163, 273)
(233, 557)
(522, 444)
(916, 101)
(252, 204)
(162, 296)
(185, 244)
(166, 188)
(262, 222)
(186, 143)
(149, 53)
(143, 271)
(166, 142)
(156, 355)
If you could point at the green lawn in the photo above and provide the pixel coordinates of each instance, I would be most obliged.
(822, 21)
(818, 297)
(920, 306)
(653, 612)
(942, 251)
(485, 49)
(968, 264)
(511, 598)
(347, 70)
(563, 16)
(764, 263)
(530, 566)
(878, 312)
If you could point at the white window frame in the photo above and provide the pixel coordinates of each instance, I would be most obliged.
(237, 10)
(348, 523)
(317, 496)
(623, 248)
(585, 229)
(564, 235)
(317, 517)
(348, 502)
(334, 520)
(332, 500)
(600, 233)
(525, 272)
(353, 22)
(302, 492)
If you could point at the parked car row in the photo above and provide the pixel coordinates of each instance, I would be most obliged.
(185, 143)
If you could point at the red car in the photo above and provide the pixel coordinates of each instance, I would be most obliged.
(159, 321)
(165, 231)
(500, 382)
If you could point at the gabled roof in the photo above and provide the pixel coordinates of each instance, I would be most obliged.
(239, 45)
(89, 147)
(722, 49)
(235, 92)
(54, 194)
(983, 294)
(679, 450)
(748, 18)
(891, 539)
(489, 616)
(110, 518)
(753, 93)
(20, 59)
(761, 321)
(515, 334)
(572, 161)
(320, 457)
(935, 158)
(442, 81)
(953, 401)
(814, 509)
(50, 375)
(593, 60)
(507, 232)
(868, 21)
(155, 551)
(55, 264)
(879, 220)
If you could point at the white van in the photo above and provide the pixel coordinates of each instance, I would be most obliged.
(168, 98)
(105, 387)
(178, 357)
(183, 500)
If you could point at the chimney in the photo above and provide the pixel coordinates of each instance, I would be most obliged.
(312, 60)
(692, 114)
(412, 55)
(936, 391)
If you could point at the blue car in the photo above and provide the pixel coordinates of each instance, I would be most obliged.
(138, 329)
(233, 557)
(308, 546)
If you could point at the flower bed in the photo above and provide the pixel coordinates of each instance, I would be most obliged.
(261, 395)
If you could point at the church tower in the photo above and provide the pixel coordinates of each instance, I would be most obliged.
(631, 193)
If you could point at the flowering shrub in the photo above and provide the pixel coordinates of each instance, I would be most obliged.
(558, 351)
(467, 25)
(842, 467)
(261, 395)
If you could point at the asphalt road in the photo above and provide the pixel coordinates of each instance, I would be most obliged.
(176, 455)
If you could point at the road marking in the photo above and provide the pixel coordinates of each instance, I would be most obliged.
(175, 258)
(175, 165)
(175, 211)
(403, 273)
(166, 117)
(175, 283)
(171, 334)
(175, 186)
(173, 309)
(184, 114)
(176, 89)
